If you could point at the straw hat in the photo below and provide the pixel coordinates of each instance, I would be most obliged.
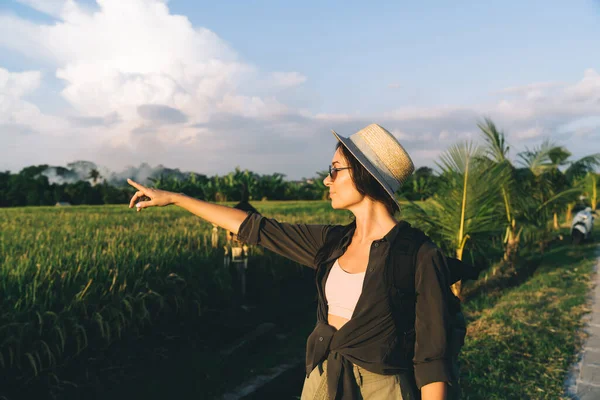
(382, 155)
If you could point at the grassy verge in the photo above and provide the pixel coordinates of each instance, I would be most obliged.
(522, 335)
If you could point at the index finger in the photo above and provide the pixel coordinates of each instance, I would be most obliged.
(136, 185)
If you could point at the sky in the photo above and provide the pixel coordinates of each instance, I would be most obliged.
(208, 86)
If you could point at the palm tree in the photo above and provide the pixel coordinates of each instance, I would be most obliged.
(581, 174)
(239, 183)
(546, 188)
(496, 152)
(573, 177)
(212, 189)
(580, 168)
(465, 212)
(272, 186)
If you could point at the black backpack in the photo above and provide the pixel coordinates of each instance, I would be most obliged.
(403, 297)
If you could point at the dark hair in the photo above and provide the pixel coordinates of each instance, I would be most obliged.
(365, 183)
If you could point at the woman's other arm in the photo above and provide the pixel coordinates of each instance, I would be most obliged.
(431, 362)
(434, 391)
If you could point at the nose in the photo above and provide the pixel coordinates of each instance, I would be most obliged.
(327, 180)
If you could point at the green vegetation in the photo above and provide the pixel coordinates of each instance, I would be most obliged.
(524, 330)
(484, 204)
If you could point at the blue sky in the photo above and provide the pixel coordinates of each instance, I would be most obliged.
(120, 84)
(439, 52)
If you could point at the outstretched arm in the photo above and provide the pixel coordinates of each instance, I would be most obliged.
(298, 242)
(226, 217)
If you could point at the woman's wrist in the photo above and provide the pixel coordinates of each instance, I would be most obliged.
(175, 198)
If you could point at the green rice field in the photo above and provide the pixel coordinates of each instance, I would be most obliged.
(77, 279)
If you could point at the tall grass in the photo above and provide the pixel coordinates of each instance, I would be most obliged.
(75, 280)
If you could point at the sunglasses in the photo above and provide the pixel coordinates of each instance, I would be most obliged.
(333, 172)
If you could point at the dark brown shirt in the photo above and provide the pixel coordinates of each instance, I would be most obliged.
(370, 338)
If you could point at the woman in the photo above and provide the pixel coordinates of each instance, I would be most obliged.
(354, 351)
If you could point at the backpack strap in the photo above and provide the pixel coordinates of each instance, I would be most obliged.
(409, 241)
(403, 269)
(400, 273)
(404, 250)
(401, 282)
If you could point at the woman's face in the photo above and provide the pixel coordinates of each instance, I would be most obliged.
(342, 191)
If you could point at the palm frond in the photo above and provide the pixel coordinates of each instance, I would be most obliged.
(581, 167)
(496, 149)
(538, 160)
(457, 158)
(468, 201)
(557, 197)
(558, 156)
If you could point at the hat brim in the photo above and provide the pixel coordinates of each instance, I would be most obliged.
(348, 144)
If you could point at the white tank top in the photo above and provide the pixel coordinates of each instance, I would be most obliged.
(342, 290)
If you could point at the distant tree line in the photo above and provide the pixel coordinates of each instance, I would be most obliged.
(31, 187)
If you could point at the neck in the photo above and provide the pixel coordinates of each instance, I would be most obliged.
(373, 222)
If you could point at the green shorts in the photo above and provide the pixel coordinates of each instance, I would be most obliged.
(372, 386)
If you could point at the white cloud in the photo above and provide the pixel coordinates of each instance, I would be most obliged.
(553, 100)
(22, 36)
(288, 79)
(403, 136)
(333, 117)
(423, 157)
(135, 76)
(532, 87)
(409, 113)
(250, 106)
(14, 85)
(19, 115)
(135, 52)
(586, 89)
(581, 127)
(528, 133)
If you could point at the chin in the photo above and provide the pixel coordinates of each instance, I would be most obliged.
(336, 206)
